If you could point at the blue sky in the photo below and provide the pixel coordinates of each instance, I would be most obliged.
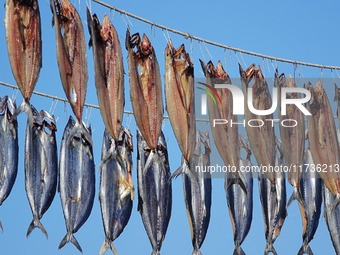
(295, 30)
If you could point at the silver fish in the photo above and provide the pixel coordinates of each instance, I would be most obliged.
(332, 217)
(273, 203)
(240, 203)
(154, 190)
(41, 165)
(9, 148)
(311, 193)
(116, 190)
(77, 180)
(197, 192)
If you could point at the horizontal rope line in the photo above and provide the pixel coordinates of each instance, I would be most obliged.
(220, 45)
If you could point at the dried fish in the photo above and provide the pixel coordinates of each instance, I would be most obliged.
(9, 149)
(154, 191)
(109, 72)
(41, 165)
(197, 192)
(116, 190)
(77, 180)
(179, 95)
(145, 88)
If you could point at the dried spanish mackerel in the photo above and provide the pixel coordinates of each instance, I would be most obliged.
(23, 36)
(9, 149)
(41, 165)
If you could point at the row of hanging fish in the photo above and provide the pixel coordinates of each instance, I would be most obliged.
(76, 171)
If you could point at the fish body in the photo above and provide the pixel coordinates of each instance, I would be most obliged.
(154, 191)
(292, 138)
(9, 149)
(332, 218)
(179, 97)
(23, 36)
(145, 88)
(197, 192)
(116, 189)
(76, 181)
(226, 137)
(273, 202)
(41, 165)
(310, 188)
(109, 72)
(240, 205)
(261, 139)
(71, 54)
(322, 138)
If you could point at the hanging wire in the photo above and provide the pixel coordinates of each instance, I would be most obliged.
(220, 45)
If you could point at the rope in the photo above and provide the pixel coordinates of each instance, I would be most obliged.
(86, 104)
(220, 45)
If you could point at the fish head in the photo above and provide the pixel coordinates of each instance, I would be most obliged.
(220, 73)
(106, 29)
(145, 47)
(48, 122)
(248, 74)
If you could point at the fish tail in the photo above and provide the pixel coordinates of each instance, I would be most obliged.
(69, 237)
(24, 107)
(108, 245)
(235, 181)
(36, 223)
(196, 252)
(238, 250)
(305, 249)
(155, 252)
(270, 249)
(295, 196)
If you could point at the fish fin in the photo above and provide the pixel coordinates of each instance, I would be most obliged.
(305, 249)
(295, 196)
(196, 251)
(238, 250)
(106, 245)
(177, 173)
(1, 227)
(270, 249)
(335, 203)
(36, 224)
(69, 237)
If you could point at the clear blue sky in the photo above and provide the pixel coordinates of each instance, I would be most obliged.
(301, 31)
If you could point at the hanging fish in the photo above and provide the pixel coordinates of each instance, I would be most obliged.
(71, 56)
(261, 138)
(310, 188)
(41, 165)
(322, 138)
(145, 88)
(76, 181)
(109, 72)
(293, 138)
(273, 202)
(179, 95)
(225, 137)
(9, 148)
(332, 218)
(197, 192)
(240, 203)
(23, 36)
(116, 190)
(154, 191)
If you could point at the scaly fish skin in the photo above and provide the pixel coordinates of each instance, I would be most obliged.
(71, 54)
(310, 188)
(292, 138)
(109, 72)
(23, 36)
(322, 138)
(179, 96)
(116, 190)
(273, 202)
(197, 192)
(145, 88)
(261, 139)
(240, 204)
(76, 181)
(9, 149)
(154, 190)
(332, 218)
(41, 165)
